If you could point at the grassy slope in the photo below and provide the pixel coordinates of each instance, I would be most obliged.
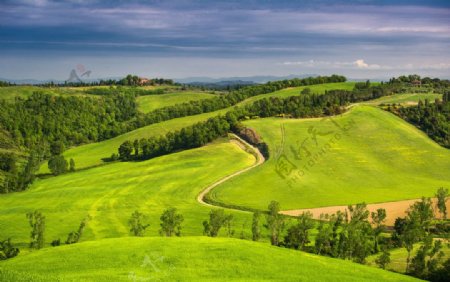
(10, 92)
(149, 103)
(188, 259)
(92, 154)
(404, 99)
(111, 193)
(398, 258)
(381, 159)
(294, 91)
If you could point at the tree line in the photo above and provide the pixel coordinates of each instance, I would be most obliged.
(432, 118)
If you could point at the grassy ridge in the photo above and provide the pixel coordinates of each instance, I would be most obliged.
(111, 193)
(149, 103)
(10, 92)
(92, 154)
(188, 259)
(412, 98)
(380, 158)
(295, 91)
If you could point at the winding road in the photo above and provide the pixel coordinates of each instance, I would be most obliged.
(243, 145)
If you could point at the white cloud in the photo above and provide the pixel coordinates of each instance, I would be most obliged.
(361, 64)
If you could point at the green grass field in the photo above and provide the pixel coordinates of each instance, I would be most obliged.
(295, 91)
(9, 93)
(379, 158)
(149, 103)
(109, 194)
(184, 259)
(407, 99)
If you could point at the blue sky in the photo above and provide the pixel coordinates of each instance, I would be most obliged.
(45, 39)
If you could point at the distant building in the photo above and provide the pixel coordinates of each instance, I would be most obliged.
(144, 81)
(416, 83)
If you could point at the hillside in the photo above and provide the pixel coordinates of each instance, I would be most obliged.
(109, 194)
(92, 154)
(378, 158)
(185, 259)
(149, 103)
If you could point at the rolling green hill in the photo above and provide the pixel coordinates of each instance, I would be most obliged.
(184, 259)
(10, 92)
(109, 194)
(378, 158)
(92, 154)
(411, 98)
(149, 103)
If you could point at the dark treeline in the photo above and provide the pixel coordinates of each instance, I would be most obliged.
(124, 90)
(432, 118)
(435, 83)
(129, 80)
(230, 99)
(5, 83)
(71, 120)
(38, 122)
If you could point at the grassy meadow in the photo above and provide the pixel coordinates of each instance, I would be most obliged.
(23, 91)
(375, 157)
(404, 99)
(149, 103)
(185, 259)
(109, 194)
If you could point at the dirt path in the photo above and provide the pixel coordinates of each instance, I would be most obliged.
(244, 146)
(393, 209)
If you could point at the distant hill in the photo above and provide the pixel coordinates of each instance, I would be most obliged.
(254, 79)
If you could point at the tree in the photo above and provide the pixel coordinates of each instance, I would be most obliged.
(57, 148)
(378, 219)
(57, 164)
(442, 195)
(228, 222)
(256, 232)
(171, 222)
(416, 226)
(275, 222)
(74, 237)
(217, 219)
(37, 224)
(72, 165)
(136, 148)
(7, 249)
(125, 150)
(137, 228)
(355, 239)
(383, 259)
(427, 258)
(297, 235)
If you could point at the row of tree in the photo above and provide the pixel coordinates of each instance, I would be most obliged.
(356, 233)
(432, 118)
